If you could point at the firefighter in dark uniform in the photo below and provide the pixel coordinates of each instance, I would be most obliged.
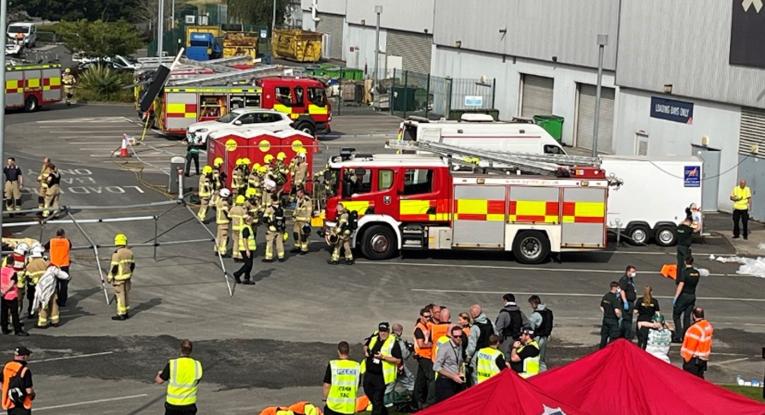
(684, 240)
(685, 298)
(610, 305)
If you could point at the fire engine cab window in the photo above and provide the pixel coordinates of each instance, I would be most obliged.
(357, 182)
(418, 181)
(298, 97)
(317, 96)
(384, 179)
(550, 149)
(283, 95)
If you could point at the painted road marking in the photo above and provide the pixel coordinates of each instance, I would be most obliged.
(514, 268)
(70, 405)
(79, 356)
(553, 294)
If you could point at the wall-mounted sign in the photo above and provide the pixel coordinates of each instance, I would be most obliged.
(672, 110)
(473, 101)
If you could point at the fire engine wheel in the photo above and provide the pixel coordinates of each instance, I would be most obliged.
(531, 247)
(665, 235)
(31, 104)
(307, 128)
(638, 234)
(378, 242)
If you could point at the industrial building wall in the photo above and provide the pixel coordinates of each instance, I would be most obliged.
(687, 44)
(362, 40)
(564, 29)
(459, 63)
(325, 6)
(413, 48)
(719, 122)
(407, 15)
(333, 26)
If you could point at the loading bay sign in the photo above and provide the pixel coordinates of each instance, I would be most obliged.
(747, 33)
(672, 110)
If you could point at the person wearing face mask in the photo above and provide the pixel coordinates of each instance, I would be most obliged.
(628, 296)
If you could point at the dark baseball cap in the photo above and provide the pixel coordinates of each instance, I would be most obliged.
(23, 351)
(384, 326)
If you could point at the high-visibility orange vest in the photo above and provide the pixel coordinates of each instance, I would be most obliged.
(59, 252)
(9, 371)
(436, 332)
(424, 352)
(697, 341)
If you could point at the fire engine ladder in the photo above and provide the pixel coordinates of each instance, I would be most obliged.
(544, 164)
(265, 70)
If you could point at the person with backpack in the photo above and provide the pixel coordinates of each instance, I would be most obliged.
(341, 235)
(18, 390)
(541, 321)
(509, 323)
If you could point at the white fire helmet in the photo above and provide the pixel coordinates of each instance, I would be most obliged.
(225, 192)
(21, 249)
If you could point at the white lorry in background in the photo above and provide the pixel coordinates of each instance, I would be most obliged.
(481, 132)
(20, 36)
(653, 196)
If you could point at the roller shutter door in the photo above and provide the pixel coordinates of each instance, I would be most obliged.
(752, 130)
(333, 26)
(537, 96)
(414, 49)
(585, 118)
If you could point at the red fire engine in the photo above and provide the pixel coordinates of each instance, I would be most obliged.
(414, 202)
(32, 86)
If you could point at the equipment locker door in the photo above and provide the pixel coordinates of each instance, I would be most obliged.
(583, 221)
(479, 216)
(710, 176)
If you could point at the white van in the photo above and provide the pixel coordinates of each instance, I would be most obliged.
(26, 32)
(482, 132)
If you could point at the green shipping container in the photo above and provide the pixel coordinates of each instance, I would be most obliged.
(553, 124)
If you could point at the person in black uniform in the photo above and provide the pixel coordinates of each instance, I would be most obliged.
(374, 382)
(685, 298)
(684, 240)
(628, 295)
(646, 307)
(610, 305)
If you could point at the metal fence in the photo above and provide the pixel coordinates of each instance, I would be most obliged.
(413, 93)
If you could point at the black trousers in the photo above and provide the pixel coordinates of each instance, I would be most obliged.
(743, 216)
(328, 411)
(30, 297)
(696, 367)
(246, 267)
(446, 388)
(642, 336)
(626, 329)
(374, 388)
(189, 157)
(424, 384)
(609, 331)
(180, 410)
(683, 307)
(62, 288)
(10, 308)
(19, 411)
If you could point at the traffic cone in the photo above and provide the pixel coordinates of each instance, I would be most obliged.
(123, 146)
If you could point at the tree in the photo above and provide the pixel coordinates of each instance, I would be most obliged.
(108, 10)
(258, 12)
(100, 38)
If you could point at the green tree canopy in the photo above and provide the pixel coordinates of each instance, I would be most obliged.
(100, 38)
(109, 10)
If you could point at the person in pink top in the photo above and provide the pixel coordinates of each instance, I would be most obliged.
(9, 301)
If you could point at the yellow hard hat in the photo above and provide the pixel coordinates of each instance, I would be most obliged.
(67, 70)
(239, 200)
(250, 192)
(268, 158)
(246, 161)
(218, 162)
(256, 166)
(207, 170)
(120, 239)
(281, 156)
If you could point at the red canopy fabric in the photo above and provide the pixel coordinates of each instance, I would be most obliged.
(504, 394)
(622, 379)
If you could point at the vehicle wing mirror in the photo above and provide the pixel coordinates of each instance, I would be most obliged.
(237, 122)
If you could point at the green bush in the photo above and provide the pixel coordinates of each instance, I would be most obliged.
(101, 83)
(99, 38)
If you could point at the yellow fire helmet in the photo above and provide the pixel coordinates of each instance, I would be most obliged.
(263, 169)
(250, 192)
(120, 239)
(268, 158)
(281, 156)
(218, 161)
(207, 169)
(255, 166)
(239, 200)
(301, 152)
(246, 161)
(238, 162)
(67, 70)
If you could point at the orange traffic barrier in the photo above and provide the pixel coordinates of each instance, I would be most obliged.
(305, 408)
(669, 271)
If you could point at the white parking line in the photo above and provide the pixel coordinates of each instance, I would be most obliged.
(436, 290)
(79, 356)
(513, 268)
(70, 405)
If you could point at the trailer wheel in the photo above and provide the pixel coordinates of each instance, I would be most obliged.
(378, 242)
(531, 247)
(665, 235)
(31, 104)
(638, 234)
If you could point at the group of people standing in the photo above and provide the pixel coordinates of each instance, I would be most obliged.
(48, 191)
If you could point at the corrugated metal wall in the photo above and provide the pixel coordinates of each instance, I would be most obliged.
(414, 48)
(538, 29)
(685, 43)
(752, 130)
(332, 25)
(412, 16)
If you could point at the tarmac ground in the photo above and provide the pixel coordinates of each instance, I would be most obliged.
(269, 343)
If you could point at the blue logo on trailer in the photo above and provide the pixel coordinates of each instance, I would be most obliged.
(692, 176)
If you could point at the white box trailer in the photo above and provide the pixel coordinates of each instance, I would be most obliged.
(652, 200)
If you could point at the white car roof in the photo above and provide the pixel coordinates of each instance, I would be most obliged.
(254, 111)
(23, 24)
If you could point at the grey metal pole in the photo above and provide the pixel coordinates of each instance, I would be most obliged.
(3, 15)
(172, 15)
(160, 28)
(378, 12)
(273, 19)
(602, 42)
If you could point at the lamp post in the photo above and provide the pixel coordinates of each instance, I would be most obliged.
(602, 42)
(160, 28)
(378, 12)
(273, 19)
